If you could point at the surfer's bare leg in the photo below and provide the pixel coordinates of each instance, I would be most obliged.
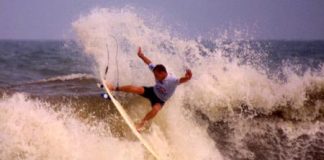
(131, 89)
(128, 88)
(155, 109)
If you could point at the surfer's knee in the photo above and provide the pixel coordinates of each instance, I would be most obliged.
(140, 90)
(137, 90)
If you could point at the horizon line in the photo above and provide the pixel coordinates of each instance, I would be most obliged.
(71, 39)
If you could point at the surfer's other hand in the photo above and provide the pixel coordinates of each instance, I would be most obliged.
(139, 52)
(188, 73)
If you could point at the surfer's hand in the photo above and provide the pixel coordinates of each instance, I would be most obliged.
(186, 77)
(143, 57)
(188, 74)
(139, 52)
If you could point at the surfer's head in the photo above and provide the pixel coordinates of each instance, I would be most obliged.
(160, 72)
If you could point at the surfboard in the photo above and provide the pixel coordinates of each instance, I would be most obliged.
(129, 121)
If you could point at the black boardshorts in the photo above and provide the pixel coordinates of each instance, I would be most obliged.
(151, 96)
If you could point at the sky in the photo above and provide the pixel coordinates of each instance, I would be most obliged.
(261, 19)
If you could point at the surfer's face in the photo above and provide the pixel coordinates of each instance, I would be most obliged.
(160, 75)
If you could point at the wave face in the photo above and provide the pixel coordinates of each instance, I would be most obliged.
(248, 99)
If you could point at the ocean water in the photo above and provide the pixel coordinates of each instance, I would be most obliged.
(248, 99)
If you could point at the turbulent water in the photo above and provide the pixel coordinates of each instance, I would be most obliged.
(248, 99)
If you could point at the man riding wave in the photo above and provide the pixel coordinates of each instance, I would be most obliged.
(158, 94)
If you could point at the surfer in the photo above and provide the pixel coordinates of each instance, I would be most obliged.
(158, 94)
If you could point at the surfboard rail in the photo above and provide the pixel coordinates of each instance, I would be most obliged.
(129, 121)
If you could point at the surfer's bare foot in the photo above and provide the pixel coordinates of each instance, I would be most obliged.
(111, 87)
(139, 126)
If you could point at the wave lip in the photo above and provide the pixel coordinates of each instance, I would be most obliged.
(74, 84)
(73, 76)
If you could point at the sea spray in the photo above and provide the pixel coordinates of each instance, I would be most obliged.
(31, 129)
(231, 81)
(229, 75)
(94, 30)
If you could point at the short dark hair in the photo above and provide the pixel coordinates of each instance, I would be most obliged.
(159, 68)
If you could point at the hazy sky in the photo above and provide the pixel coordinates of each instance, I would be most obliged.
(264, 19)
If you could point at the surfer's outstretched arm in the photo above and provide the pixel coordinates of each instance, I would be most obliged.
(186, 77)
(143, 57)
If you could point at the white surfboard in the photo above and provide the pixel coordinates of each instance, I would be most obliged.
(129, 121)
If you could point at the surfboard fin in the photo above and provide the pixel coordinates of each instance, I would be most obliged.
(99, 85)
(105, 96)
